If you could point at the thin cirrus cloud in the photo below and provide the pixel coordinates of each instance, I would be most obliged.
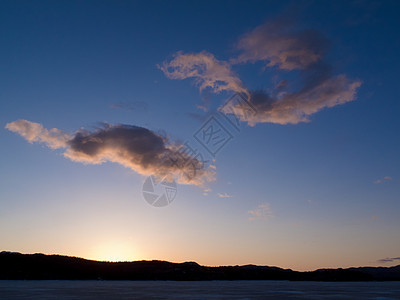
(137, 148)
(281, 47)
(384, 179)
(263, 212)
(224, 195)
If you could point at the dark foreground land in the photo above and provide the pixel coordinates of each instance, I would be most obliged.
(17, 266)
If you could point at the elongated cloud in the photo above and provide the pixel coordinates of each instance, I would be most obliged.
(281, 46)
(35, 132)
(293, 108)
(389, 260)
(134, 147)
(207, 71)
(224, 195)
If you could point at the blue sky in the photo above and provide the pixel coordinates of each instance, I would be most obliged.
(302, 195)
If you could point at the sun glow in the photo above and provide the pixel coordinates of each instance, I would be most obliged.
(116, 251)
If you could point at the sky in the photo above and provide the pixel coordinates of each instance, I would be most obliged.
(270, 127)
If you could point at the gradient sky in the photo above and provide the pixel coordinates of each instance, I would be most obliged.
(303, 195)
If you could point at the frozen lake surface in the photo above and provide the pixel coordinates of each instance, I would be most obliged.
(13, 289)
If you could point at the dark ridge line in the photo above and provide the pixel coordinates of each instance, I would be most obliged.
(17, 266)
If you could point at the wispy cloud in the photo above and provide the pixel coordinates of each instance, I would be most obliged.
(293, 108)
(34, 132)
(384, 179)
(206, 191)
(263, 211)
(137, 148)
(280, 46)
(224, 195)
(389, 259)
(207, 71)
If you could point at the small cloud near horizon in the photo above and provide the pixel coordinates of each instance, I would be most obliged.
(384, 179)
(389, 260)
(224, 195)
(263, 212)
(206, 191)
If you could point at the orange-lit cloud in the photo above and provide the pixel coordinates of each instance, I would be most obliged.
(207, 71)
(134, 147)
(35, 132)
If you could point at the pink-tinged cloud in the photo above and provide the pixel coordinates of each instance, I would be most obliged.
(293, 108)
(384, 179)
(280, 45)
(137, 148)
(207, 71)
(263, 212)
(224, 195)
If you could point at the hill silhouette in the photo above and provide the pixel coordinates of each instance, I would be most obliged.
(19, 266)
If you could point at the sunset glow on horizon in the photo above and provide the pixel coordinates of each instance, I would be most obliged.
(224, 133)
